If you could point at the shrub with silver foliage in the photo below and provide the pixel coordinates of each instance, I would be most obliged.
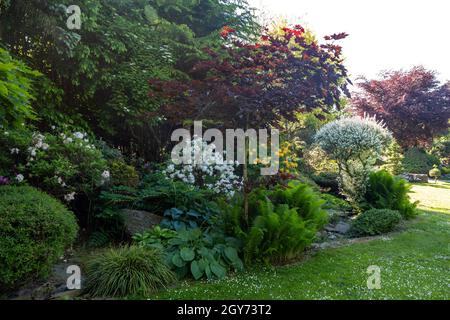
(355, 143)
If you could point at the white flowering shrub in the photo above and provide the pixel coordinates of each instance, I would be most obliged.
(355, 143)
(64, 164)
(212, 172)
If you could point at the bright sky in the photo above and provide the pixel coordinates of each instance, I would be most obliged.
(383, 34)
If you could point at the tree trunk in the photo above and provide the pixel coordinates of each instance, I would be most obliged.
(245, 176)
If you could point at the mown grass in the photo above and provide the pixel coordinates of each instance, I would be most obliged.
(415, 264)
(432, 196)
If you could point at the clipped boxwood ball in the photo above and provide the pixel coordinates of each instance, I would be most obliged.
(35, 230)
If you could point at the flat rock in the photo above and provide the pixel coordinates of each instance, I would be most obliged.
(66, 295)
(415, 177)
(342, 227)
(139, 220)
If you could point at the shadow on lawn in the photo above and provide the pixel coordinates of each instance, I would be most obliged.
(436, 185)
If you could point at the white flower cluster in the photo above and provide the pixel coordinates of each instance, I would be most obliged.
(211, 171)
(106, 175)
(353, 137)
(77, 137)
(60, 180)
(69, 197)
(37, 143)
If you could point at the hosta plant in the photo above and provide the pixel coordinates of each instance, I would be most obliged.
(203, 254)
(193, 252)
(177, 219)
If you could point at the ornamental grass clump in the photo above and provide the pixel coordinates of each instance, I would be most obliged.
(126, 271)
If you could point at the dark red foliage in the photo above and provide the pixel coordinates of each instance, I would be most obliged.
(254, 84)
(337, 36)
(413, 104)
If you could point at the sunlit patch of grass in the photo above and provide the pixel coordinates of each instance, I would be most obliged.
(432, 196)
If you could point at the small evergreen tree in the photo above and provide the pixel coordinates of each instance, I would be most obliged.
(393, 159)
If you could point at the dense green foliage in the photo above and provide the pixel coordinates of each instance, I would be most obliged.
(196, 253)
(123, 174)
(157, 193)
(418, 161)
(328, 181)
(181, 204)
(63, 164)
(177, 219)
(35, 229)
(441, 148)
(15, 91)
(277, 234)
(283, 221)
(126, 271)
(97, 76)
(374, 222)
(393, 158)
(156, 237)
(335, 203)
(385, 191)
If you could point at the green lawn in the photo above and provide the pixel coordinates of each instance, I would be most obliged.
(414, 262)
(432, 196)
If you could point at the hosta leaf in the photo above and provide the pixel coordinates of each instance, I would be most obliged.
(208, 272)
(177, 261)
(218, 270)
(179, 225)
(231, 254)
(238, 265)
(193, 213)
(187, 254)
(197, 269)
